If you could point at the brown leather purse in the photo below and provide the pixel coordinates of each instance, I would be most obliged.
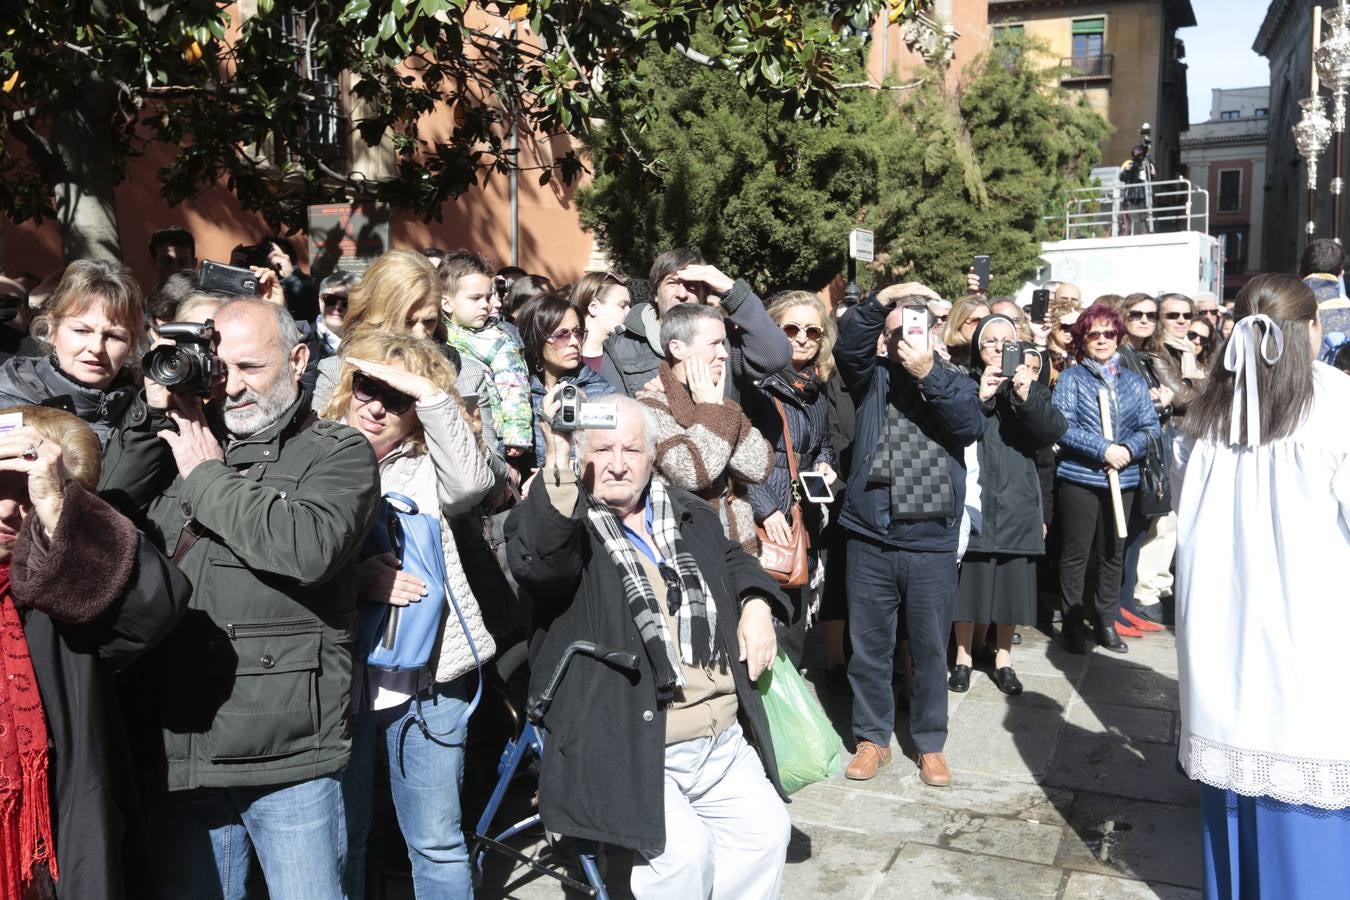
(787, 562)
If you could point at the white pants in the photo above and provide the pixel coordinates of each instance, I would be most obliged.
(1155, 560)
(727, 829)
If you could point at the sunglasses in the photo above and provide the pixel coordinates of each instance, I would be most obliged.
(338, 300)
(1100, 335)
(1197, 337)
(366, 389)
(1173, 316)
(812, 332)
(1139, 315)
(563, 335)
(939, 319)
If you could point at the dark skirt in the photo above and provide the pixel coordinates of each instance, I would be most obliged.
(996, 589)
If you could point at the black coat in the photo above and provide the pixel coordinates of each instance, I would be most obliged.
(1011, 497)
(91, 602)
(604, 758)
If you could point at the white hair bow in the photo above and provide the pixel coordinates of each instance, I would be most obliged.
(1240, 359)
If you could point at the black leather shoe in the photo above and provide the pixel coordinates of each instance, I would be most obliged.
(1007, 682)
(959, 680)
(1107, 639)
(1017, 638)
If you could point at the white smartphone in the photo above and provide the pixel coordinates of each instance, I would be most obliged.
(815, 488)
(914, 327)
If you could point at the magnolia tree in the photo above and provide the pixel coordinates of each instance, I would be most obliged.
(247, 93)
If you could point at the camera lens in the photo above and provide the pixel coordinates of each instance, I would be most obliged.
(170, 366)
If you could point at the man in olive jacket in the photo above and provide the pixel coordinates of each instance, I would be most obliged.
(251, 690)
(674, 761)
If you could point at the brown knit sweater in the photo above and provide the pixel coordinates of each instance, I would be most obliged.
(711, 450)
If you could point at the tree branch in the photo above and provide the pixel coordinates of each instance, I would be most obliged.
(590, 89)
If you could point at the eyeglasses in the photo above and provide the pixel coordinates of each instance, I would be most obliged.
(1197, 337)
(367, 389)
(563, 335)
(1141, 315)
(813, 333)
(1173, 316)
(333, 299)
(1101, 335)
(939, 319)
(994, 344)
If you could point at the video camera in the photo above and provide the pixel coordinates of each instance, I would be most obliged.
(188, 366)
(574, 414)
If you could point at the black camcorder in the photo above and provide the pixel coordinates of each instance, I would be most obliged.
(188, 366)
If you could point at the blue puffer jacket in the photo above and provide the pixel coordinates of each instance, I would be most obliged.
(586, 378)
(1082, 448)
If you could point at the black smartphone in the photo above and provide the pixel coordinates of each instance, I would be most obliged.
(1040, 304)
(218, 278)
(981, 266)
(1012, 358)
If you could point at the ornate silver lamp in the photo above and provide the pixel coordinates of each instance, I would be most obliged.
(1332, 59)
(1312, 133)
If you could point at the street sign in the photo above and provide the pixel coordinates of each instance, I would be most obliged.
(346, 237)
(860, 244)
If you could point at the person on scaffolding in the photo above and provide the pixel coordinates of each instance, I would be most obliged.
(1136, 175)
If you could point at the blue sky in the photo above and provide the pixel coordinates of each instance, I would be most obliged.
(1219, 50)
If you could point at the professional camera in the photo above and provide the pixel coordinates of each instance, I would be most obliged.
(575, 414)
(188, 366)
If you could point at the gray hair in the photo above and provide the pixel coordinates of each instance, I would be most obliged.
(680, 323)
(625, 408)
(339, 280)
(287, 330)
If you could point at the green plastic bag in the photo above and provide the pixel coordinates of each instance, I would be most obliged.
(804, 742)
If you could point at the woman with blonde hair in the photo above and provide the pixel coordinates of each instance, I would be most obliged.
(964, 318)
(399, 391)
(795, 396)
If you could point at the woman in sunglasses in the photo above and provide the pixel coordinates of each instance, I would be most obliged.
(1201, 338)
(964, 318)
(1083, 505)
(399, 391)
(798, 393)
(551, 330)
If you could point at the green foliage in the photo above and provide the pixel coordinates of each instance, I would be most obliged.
(241, 99)
(938, 178)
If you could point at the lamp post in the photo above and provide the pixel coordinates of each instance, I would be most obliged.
(1333, 66)
(1311, 135)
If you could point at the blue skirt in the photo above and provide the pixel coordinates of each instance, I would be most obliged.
(1256, 848)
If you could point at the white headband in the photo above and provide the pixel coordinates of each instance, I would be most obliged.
(1240, 359)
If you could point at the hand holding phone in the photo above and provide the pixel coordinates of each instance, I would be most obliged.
(981, 266)
(1040, 304)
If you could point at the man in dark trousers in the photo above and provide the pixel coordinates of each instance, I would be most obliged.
(902, 512)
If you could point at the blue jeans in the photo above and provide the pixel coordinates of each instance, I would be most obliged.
(883, 583)
(298, 831)
(425, 774)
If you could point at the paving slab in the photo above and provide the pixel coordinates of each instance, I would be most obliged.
(931, 873)
(1135, 839)
(1108, 764)
(825, 862)
(1112, 679)
(1082, 886)
(986, 796)
(1154, 726)
(1048, 689)
(1006, 742)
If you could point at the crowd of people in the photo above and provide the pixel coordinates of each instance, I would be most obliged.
(668, 465)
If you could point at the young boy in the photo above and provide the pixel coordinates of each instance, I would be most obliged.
(466, 301)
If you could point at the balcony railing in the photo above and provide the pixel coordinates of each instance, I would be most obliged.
(1086, 68)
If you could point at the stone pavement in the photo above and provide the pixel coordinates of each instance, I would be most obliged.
(1069, 791)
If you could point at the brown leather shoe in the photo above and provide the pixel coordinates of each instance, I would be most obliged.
(867, 760)
(933, 770)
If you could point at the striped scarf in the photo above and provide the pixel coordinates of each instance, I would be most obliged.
(687, 593)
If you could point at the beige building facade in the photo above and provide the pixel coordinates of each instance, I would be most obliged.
(1122, 56)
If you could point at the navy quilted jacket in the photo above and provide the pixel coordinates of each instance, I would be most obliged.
(1082, 457)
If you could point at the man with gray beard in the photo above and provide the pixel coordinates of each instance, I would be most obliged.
(250, 693)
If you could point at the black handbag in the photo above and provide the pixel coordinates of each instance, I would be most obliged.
(1155, 488)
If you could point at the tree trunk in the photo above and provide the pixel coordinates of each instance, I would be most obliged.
(86, 202)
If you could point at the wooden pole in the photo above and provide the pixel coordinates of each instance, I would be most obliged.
(1112, 476)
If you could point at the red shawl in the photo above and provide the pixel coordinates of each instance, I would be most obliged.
(25, 804)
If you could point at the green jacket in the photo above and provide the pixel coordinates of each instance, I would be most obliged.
(253, 686)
